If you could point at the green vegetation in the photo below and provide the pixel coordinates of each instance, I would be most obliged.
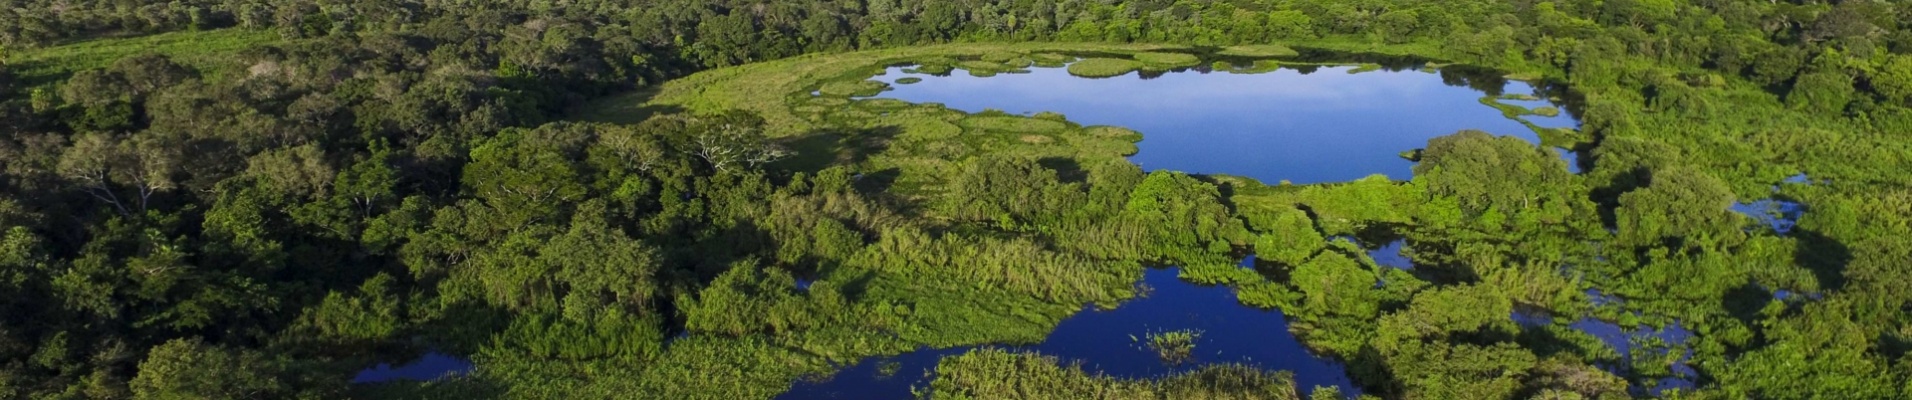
(859, 88)
(1103, 67)
(1174, 347)
(206, 199)
(1168, 60)
(908, 80)
(997, 374)
(206, 51)
(1258, 51)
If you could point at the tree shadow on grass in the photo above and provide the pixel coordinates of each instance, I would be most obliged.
(627, 109)
(1067, 169)
(1824, 256)
(824, 148)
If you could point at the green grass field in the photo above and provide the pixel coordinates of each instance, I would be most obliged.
(209, 51)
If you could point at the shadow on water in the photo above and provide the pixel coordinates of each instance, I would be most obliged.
(1107, 342)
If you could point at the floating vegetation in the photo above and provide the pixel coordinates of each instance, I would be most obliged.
(1105, 131)
(1168, 60)
(857, 88)
(1547, 111)
(936, 69)
(985, 69)
(1050, 60)
(1260, 50)
(1257, 67)
(1001, 57)
(1174, 347)
(908, 80)
(883, 104)
(888, 368)
(1103, 67)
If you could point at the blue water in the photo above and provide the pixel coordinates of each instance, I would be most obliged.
(1626, 341)
(428, 367)
(1390, 256)
(1324, 126)
(1780, 215)
(1105, 342)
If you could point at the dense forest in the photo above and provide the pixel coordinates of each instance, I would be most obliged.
(257, 198)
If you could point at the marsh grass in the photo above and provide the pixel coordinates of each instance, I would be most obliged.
(1104, 67)
(1001, 57)
(882, 104)
(1510, 111)
(1000, 374)
(1174, 347)
(936, 69)
(1162, 60)
(908, 80)
(1050, 60)
(1113, 132)
(984, 68)
(1260, 50)
(1256, 67)
(1015, 124)
(1547, 111)
(856, 88)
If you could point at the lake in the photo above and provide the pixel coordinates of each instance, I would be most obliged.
(1306, 125)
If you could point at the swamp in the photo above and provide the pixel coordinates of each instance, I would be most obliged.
(956, 199)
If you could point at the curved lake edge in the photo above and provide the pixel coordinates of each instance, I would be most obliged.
(1549, 115)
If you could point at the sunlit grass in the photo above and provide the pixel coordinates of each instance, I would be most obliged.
(1103, 67)
(209, 51)
(1168, 60)
(1260, 50)
(856, 88)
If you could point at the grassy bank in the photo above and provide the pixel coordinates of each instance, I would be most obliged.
(204, 50)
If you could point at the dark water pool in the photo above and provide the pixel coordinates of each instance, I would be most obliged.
(1325, 125)
(428, 367)
(1106, 342)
